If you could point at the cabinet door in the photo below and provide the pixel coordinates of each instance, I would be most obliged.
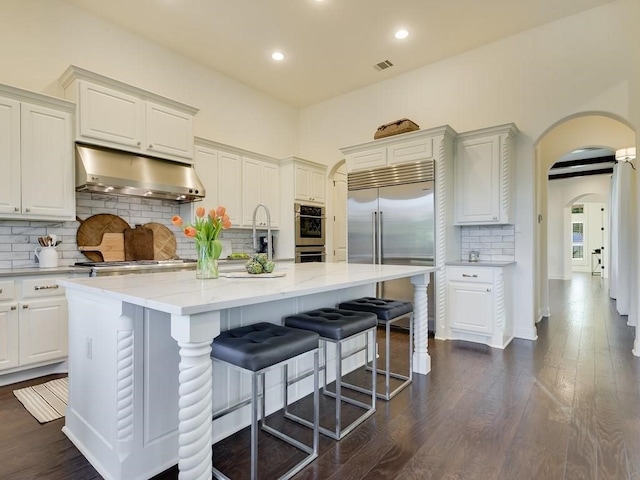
(270, 192)
(206, 165)
(168, 131)
(110, 116)
(8, 335)
(302, 181)
(410, 151)
(47, 163)
(368, 159)
(10, 156)
(478, 177)
(471, 307)
(251, 194)
(229, 181)
(43, 330)
(318, 186)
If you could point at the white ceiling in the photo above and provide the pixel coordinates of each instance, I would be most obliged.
(331, 45)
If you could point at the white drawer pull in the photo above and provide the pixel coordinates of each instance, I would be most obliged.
(45, 287)
(469, 276)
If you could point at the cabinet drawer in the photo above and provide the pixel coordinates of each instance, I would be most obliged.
(41, 287)
(6, 290)
(470, 274)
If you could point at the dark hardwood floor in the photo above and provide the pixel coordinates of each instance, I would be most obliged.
(564, 407)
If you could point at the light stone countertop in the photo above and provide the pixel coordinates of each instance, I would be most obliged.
(182, 294)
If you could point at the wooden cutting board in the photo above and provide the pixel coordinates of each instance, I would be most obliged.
(92, 229)
(111, 247)
(164, 241)
(138, 243)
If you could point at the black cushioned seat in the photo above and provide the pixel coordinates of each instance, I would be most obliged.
(384, 309)
(332, 323)
(261, 345)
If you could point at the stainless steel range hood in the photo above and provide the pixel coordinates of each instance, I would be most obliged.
(115, 172)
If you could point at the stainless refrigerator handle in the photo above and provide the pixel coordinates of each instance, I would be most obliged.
(380, 238)
(374, 231)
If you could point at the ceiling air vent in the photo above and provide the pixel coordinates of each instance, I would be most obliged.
(383, 65)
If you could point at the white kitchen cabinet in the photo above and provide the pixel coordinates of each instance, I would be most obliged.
(33, 322)
(310, 182)
(403, 148)
(118, 115)
(221, 175)
(478, 304)
(8, 326)
(42, 312)
(260, 185)
(484, 174)
(36, 154)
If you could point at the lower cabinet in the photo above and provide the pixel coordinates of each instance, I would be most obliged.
(33, 323)
(479, 304)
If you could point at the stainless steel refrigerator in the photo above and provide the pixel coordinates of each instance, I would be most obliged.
(390, 220)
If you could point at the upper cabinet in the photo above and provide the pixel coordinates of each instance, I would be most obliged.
(260, 185)
(310, 182)
(36, 154)
(484, 177)
(403, 148)
(239, 180)
(114, 114)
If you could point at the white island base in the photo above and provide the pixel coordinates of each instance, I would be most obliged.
(140, 373)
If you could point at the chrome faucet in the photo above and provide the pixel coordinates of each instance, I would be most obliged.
(253, 226)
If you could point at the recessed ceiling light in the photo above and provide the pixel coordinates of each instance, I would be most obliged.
(400, 34)
(278, 56)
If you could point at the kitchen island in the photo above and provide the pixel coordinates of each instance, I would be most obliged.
(140, 373)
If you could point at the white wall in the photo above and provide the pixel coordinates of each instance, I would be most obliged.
(39, 39)
(533, 79)
(561, 194)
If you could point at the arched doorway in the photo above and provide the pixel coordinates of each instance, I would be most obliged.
(595, 129)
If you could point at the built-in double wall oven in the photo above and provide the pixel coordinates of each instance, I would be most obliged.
(310, 231)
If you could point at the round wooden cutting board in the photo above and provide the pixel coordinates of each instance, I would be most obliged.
(92, 229)
(164, 241)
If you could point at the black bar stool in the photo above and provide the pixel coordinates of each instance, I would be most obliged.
(336, 326)
(255, 349)
(388, 312)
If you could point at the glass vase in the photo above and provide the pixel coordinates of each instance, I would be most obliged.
(207, 266)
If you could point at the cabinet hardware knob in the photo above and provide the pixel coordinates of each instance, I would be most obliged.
(28, 209)
(151, 145)
(45, 287)
(488, 290)
(139, 143)
(16, 209)
(25, 306)
(0, 290)
(13, 307)
(466, 275)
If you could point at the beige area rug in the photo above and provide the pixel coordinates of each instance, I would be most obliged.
(47, 401)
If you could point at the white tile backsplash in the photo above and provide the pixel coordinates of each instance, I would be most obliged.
(19, 238)
(494, 242)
